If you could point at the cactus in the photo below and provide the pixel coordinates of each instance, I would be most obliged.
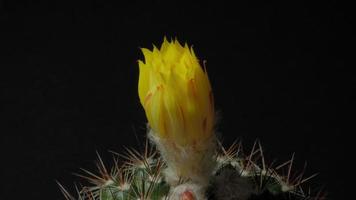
(184, 160)
(236, 176)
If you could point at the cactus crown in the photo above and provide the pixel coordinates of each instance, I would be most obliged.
(236, 176)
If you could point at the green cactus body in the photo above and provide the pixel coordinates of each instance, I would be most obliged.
(235, 177)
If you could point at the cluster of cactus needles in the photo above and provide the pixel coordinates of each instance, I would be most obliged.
(140, 176)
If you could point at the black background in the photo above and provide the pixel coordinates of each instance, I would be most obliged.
(69, 83)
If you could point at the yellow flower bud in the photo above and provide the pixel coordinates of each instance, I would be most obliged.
(176, 94)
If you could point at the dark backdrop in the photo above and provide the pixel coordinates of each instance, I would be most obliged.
(69, 83)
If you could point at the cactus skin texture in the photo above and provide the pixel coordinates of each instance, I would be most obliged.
(188, 164)
(235, 177)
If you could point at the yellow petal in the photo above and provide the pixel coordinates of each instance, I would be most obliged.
(176, 94)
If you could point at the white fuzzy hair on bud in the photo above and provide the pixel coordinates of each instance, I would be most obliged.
(195, 163)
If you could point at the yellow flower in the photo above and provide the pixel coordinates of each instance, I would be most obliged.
(176, 94)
